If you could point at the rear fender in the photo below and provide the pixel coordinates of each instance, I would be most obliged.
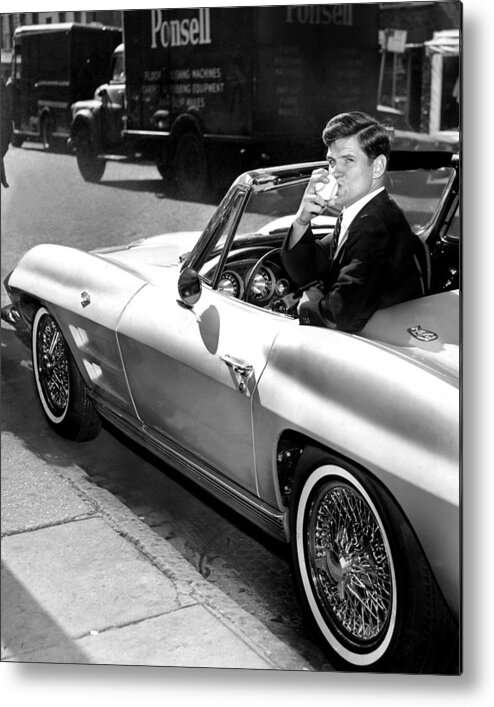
(377, 410)
(187, 122)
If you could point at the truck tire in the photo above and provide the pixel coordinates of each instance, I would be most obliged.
(163, 163)
(90, 165)
(16, 140)
(163, 170)
(191, 167)
(46, 133)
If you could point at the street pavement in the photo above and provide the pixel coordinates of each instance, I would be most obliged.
(85, 581)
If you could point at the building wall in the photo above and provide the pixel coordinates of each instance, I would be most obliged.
(420, 20)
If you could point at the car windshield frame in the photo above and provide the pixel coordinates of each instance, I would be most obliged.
(221, 235)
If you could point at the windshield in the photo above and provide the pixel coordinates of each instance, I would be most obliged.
(419, 193)
(118, 73)
(267, 212)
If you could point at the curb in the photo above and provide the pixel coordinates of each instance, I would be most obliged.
(188, 582)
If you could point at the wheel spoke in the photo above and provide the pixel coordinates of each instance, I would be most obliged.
(53, 343)
(53, 365)
(350, 565)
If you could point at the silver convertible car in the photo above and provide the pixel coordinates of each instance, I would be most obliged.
(344, 445)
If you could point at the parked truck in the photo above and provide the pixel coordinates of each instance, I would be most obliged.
(252, 84)
(53, 66)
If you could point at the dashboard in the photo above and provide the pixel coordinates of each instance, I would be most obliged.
(260, 279)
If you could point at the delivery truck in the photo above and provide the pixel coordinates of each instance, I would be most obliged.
(54, 65)
(252, 85)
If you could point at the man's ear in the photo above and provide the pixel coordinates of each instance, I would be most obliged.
(379, 166)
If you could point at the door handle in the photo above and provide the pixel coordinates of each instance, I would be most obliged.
(239, 366)
(242, 368)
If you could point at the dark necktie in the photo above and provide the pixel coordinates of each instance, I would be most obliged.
(336, 235)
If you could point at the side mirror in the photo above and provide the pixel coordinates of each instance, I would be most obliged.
(189, 287)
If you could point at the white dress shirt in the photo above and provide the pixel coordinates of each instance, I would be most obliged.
(349, 213)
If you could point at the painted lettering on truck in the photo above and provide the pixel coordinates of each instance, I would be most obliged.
(180, 33)
(341, 15)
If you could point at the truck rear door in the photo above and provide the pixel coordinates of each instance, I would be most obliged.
(313, 61)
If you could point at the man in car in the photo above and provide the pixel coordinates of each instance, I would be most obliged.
(371, 260)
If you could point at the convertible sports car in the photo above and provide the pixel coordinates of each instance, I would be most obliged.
(344, 445)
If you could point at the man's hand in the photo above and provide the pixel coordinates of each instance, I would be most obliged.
(312, 294)
(312, 204)
(309, 310)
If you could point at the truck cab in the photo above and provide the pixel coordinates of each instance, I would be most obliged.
(98, 123)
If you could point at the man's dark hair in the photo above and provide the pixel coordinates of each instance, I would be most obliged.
(371, 134)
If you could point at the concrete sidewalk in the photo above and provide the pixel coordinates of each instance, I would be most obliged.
(85, 581)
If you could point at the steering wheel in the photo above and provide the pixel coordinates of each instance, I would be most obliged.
(255, 270)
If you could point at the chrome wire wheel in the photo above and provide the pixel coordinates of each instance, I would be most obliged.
(361, 575)
(346, 565)
(63, 395)
(51, 366)
(348, 561)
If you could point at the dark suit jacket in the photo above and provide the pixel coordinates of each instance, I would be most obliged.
(374, 268)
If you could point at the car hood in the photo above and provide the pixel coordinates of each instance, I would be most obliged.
(143, 255)
(425, 330)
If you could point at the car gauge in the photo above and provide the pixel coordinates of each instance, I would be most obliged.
(262, 284)
(230, 284)
(282, 287)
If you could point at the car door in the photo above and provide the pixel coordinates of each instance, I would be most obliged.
(193, 372)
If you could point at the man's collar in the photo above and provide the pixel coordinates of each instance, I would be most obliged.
(349, 212)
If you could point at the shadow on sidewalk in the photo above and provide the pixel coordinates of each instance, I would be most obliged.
(27, 627)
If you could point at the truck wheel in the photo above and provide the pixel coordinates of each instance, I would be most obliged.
(61, 390)
(90, 165)
(46, 132)
(163, 170)
(191, 166)
(163, 162)
(16, 140)
(361, 575)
